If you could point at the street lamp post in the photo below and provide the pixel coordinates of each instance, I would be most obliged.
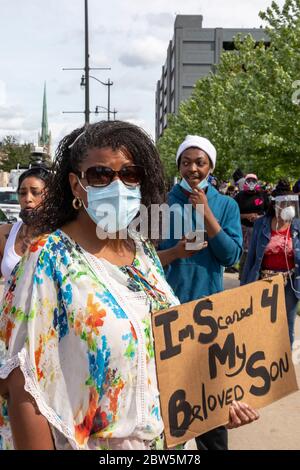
(87, 66)
(114, 112)
(87, 69)
(108, 98)
(109, 83)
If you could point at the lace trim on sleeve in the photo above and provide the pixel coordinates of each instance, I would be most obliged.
(31, 386)
(9, 366)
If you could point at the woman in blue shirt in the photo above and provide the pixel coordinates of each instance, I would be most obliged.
(275, 248)
(199, 274)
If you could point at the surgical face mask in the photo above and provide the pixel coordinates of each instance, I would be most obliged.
(113, 207)
(252, 186)
(287, 207)
(287, 213)
(185, 185)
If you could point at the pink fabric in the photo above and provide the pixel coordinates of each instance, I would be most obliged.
(258, 202)
(274, 257)
(251, 175)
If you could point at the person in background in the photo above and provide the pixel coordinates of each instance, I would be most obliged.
(232, 191)
(201, 275)
(223, 188)
(275, 248)
(16, 238)
(213, 181)
(253, 203)
(79, 369)
(296, 187)
(269, 189)
(239, 179)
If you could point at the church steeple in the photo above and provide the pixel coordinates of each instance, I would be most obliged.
(45, 136)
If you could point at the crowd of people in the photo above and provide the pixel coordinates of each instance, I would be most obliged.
(271, 234)
(78, 370)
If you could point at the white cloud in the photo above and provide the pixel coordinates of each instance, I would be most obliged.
(68, 87)
(11, 119)
(73, 35)
(159, 20)
(101, 59)
(39, 38)
(59, 130)
(144, 52)
(2, 93)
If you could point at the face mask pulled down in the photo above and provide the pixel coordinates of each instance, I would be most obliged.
(113, 207)
(27, 216)
(185, 185)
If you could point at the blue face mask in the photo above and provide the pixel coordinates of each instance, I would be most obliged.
(113, 207)
(185, 185)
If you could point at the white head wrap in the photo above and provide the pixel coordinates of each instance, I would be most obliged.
(201, 143)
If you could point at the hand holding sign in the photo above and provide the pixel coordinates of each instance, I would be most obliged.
(240, 414)
(214, 352)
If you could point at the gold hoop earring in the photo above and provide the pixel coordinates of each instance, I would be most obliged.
(77, 203)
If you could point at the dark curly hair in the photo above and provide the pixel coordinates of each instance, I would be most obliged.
(38, 172)
(282, 188)
(71, 152)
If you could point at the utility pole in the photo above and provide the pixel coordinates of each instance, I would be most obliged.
(85, 81)
(87, 65)
(108, 111)
(108, 99)
(109, 83)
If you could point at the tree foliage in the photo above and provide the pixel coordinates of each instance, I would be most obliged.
(14, 153)
(246, 108)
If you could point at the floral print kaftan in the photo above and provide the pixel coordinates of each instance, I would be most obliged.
(79, 328)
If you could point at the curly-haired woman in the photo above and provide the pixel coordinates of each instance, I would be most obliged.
(16, 238)
(80, 368)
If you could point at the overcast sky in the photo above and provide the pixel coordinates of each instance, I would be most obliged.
(40, 37)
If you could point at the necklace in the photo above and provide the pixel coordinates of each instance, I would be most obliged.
(284, 227)
(25, 239)
(152, 293)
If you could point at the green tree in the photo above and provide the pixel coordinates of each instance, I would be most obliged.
(14, 153)
(246, 108)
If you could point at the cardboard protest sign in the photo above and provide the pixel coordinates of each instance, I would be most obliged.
(230, 346)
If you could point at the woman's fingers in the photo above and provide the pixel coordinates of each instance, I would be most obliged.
(194, 252)
(240, 414)
(251, 412)
(240, 411)
(234, 421)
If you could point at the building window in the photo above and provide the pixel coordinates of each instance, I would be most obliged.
(165, 121)
(172, 82)
(228, 46)
(173, 104)
(172, 61)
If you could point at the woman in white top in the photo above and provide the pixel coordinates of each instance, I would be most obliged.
(15, 238)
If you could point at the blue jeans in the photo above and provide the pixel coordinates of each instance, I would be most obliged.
(291, 302)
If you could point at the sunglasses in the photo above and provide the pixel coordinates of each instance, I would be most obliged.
(101, 176)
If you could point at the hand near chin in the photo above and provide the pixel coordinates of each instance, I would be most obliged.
(198, 197)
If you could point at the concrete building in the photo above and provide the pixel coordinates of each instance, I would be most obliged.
(191, 54)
